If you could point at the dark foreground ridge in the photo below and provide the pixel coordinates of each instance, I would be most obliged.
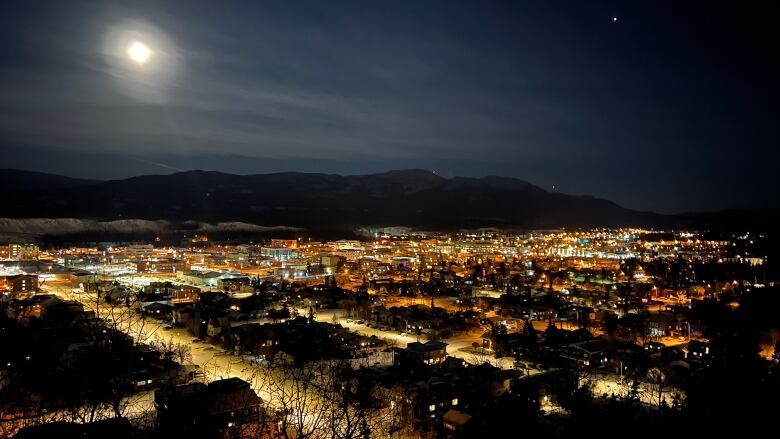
(410, 197)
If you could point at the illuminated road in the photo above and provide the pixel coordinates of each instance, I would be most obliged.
(217, 364)
(459, 346)
(275, 388)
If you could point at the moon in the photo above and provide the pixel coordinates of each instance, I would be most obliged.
(142, 59)
(139, 52)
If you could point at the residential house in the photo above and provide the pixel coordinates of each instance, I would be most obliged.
(223, 408)
(416, 353)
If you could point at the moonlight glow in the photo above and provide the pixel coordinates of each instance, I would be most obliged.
(139, 52)
(141, 58)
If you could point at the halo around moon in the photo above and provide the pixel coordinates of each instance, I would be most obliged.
(142, 59)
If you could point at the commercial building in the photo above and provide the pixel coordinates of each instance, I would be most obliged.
(277, 253)
(19, 283)
(21, 252)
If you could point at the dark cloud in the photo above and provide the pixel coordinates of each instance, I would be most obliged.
(671, 108)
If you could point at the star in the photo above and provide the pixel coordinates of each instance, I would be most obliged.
(614, 19)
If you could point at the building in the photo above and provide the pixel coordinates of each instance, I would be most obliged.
(331, 260)
(202, 278)
(22, 252)
(590, 353)
(346, 246)
(456, 421)
(233, 283)
(289, 243)
(139, 251)
(277, 253)
(416, 353)
(177, 293)
(185, 294)
(20, 283)
(162, 266)
(224, 408)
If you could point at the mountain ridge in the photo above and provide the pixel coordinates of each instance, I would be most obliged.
(412, 197)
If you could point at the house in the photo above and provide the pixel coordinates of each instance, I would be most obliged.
(184, 294)
(698, 350)
(146, 300)
(216, 326)
(233, 283)
(119, 294)
(158, 310)
(47, 306)
(381, 316)
(511, 324)
(184, 315)
(455, 420)
(542, 313)
(450, 399)
(163, 288)
(80, 277)
(653, 346)
(160, 372)
(416, 353)
(591, 353)
(224, 408)
(488, 340)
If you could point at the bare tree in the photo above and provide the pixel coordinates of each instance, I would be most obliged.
(179, 352)
(657, 381)
(480, 355)
(95, 381)
(324, 399)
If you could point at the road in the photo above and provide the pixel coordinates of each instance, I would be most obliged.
(459, 346)
(274, 385)
(602, 383)
(217, 364)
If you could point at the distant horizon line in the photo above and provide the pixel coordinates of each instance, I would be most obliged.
(341, 174)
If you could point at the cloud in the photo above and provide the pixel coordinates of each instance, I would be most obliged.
(244, 227)
(67, 226)
(15, 228)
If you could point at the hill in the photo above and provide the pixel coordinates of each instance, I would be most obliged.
(410, 197)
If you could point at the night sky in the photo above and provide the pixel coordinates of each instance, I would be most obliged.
(672, 107)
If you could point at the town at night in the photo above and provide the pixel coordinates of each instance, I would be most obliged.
(398, 219)
(404, 333)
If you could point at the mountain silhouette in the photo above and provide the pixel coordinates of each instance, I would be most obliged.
(407, 197)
